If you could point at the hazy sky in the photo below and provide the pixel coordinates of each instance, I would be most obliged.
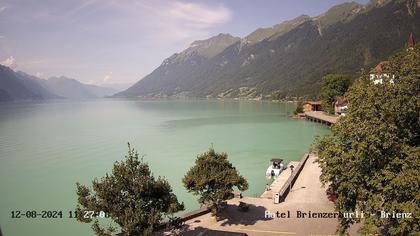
(120, 41)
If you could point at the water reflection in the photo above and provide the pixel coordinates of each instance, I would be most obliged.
(220, 120)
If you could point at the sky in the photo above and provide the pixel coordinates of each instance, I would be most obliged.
(121, 41)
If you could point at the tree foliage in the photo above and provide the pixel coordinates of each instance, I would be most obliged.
(134, 199)
(213, 178)
(333, 86)
(299, 107)
(371, 161)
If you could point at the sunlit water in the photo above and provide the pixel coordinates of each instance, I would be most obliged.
(46, 148)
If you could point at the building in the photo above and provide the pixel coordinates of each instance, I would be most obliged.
(312, 106)
(340, 106)
(377, 76)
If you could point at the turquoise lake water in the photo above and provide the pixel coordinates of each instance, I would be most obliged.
(46, 148)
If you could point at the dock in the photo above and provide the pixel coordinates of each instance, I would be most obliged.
(307, 194)
(280, 181)
(321, 117)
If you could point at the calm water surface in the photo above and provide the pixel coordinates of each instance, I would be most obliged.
(46, 148)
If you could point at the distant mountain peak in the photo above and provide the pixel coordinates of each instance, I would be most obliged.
(74, 89)
(15, 86)
(211, 46)
(339, 13)
(276, 30)
(220, 38)
(206, 48)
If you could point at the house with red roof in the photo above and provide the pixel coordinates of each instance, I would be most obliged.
(378, 74)
(340, 106)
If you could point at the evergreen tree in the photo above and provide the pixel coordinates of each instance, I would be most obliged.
(371, 161)
(299, 107)
(333, 86)
(213, 178)
(134, 199)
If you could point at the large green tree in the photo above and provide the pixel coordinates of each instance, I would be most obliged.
(134, 199)
(372, 159)
(333, 86)
(213, 178)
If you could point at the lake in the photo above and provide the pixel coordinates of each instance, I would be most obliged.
(45, 148)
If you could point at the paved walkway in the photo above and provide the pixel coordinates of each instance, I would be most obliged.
(306, 196)
(279, 181)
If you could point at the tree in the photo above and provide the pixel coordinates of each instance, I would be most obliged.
(134, 199)
(371, 160)
(333, 86)
(299, 107)
(213, 178)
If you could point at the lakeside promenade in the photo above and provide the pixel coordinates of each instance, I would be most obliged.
(306, 196)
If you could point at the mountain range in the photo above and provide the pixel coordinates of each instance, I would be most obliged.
(288, 59)
(19, 86)
(285, 60)
(73, 89)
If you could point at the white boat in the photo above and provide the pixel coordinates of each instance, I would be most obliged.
(275, 168)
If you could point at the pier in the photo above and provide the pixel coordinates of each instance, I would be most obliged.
(321, 117)
(307, 194)
(280, 181)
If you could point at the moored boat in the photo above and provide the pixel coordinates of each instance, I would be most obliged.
(275, 168)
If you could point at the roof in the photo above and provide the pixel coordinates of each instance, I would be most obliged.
(341, 101)
(380, 67)
(276, 160)
(313, 102)
(411, 41)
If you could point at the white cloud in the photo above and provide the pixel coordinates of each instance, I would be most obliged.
(2, 37)
(107, 77)
(9, 62)
(39, 75)
(199, 15)
(174, 20)
(190, 21)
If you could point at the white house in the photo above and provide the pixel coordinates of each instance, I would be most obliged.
(340, 106)
(378, 76)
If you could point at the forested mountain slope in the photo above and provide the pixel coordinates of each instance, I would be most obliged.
(288, 59)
